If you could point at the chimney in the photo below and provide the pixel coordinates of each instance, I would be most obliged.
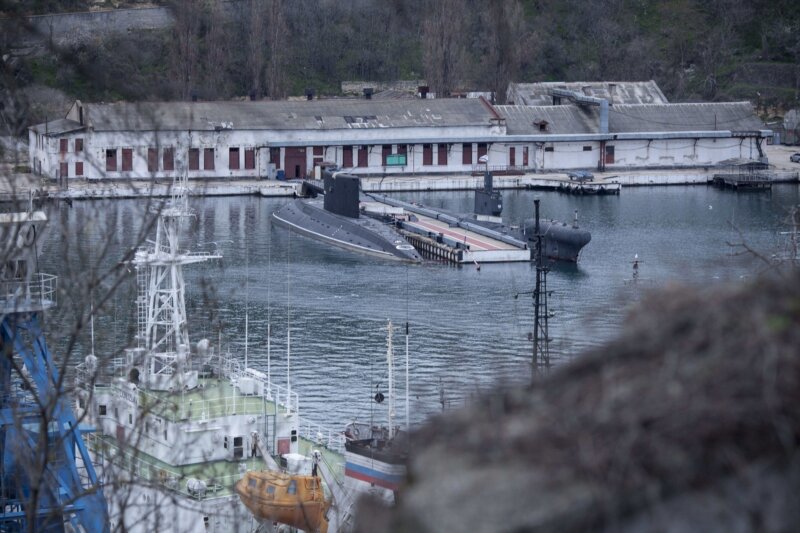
(368, 92)
(309, 93)
(423, 91)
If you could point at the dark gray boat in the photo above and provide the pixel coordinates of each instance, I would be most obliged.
(336, 220)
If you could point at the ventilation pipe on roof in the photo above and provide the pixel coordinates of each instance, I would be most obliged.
(368, 93)
(581, 99)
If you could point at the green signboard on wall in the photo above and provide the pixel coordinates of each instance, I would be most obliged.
(396, 160)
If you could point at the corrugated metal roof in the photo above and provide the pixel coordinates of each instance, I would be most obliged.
(616, 92)
(57, 127)
(571, 119)
(287, 115)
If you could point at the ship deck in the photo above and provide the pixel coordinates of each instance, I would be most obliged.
(216, 397)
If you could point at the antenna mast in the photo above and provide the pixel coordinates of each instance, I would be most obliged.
(390, 362)
(541, 338)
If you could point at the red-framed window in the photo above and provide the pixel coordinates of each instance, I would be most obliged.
(79, 168)
(481, 150)
(63, 145)
(79, 145)
(63, 170)
(442, 154)
(249, 158)
(233, 158)
(152, 159)
(466, 154)
(427, 154)
(194, 159)
(512, 156)
(275, 157)
(111, 160)
(127, 159)
(363, 156)
(347, 156)
(386, 151)
(168, 159)
(208, 159)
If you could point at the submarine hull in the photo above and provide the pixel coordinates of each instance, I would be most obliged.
(362, 235)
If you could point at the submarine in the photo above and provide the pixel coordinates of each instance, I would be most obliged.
(337, 221)
(560, 241)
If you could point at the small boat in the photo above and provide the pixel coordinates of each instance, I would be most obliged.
(292, 499)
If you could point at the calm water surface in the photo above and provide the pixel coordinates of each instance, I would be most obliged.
(468, 331)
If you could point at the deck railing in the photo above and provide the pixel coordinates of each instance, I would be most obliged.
(36, 293)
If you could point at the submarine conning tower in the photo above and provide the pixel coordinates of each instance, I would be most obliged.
(488, 202)
(341, 194)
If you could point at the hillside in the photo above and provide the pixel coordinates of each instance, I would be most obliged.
(696, 50)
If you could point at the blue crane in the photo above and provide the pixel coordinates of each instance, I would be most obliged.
(47, 480)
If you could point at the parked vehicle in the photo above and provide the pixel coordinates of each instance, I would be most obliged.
(581, 175)
(795, 157)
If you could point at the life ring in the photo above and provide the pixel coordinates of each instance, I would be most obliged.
(26, 239)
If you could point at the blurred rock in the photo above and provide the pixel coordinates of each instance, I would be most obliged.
(689, 421)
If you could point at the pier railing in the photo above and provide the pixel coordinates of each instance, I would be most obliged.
(322, 436)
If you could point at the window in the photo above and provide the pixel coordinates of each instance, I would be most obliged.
(525, 156)
(318, 151)
(130, 418)
(79, 145)
(225, 443)
(481, 150)
(292, 488)
(270, 489)
(252, 482)
(127, 159)
(194, 159)
(386, 151)
(466, 154)
(152, 159)
(111, 160)
(548, 149)
(63, 170)
(442, 154)
(238, 447)
(363, 156)
(587, 148)
(512, 156)
(79, 168)
(169, 159)
(63, 145)
(208, 159)
(427, 154)
(250, 158)
(102, 409)
(165, 433)
(347, 156)
(233, 159)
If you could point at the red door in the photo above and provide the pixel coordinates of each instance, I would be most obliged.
(347, 156)
(295, 162)
(442, 154)
(609, 155)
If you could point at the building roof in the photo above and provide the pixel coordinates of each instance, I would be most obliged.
(287, 115)
(57, 127)
(616, 92)
(572, 119)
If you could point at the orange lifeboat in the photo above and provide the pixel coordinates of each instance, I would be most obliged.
(290, 499)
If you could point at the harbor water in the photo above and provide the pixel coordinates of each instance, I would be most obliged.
(468, 326)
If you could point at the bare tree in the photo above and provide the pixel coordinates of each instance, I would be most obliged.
(443, 44)
(276, 45)
(256, 41)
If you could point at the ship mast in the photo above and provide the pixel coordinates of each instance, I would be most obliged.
(163, 338)
(390, 362)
